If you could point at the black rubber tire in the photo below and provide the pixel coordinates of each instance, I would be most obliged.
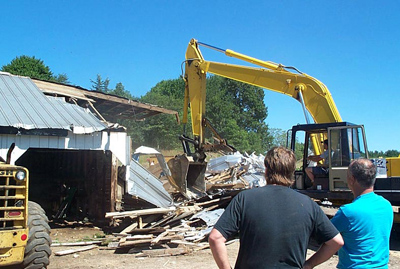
(37, 250)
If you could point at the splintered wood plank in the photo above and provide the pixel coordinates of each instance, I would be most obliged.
(129, 228)
(148, 241)
(84, 243)
(159, 237)
(72, 251)
(142, 212)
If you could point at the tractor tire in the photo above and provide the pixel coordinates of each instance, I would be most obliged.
(37, 250)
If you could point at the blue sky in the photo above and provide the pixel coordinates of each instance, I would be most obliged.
(353, 47)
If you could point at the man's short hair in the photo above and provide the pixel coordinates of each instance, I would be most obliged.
(364, 171)
(280, 164)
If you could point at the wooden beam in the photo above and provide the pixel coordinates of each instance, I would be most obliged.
(72, 251)
(129, 228)
(136, 213)
(84, 243)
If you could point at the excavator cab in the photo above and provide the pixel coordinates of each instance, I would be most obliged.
(346, 142)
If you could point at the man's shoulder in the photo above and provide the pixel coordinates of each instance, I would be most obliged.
(277, 192)
(367, 202)
(272, 190)
(372, 198)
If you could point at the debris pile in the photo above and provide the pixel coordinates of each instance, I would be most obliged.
(184, 224)
(235, 171)
(158, 220)
(167, 231)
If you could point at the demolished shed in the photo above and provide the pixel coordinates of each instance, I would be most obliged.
(77, 160)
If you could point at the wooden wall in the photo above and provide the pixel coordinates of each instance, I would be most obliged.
(54, 174)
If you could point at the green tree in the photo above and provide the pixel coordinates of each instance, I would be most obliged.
(279, 137)
(392, 153)
(162, 131)
(100, 85)
(386, 154)
(61, 78)
(134, 128)
(120, 91)
(29, 67)
(235, 109)
(33, 68)
(238, 112)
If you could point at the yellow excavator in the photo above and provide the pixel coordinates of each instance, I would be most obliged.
(346, 140)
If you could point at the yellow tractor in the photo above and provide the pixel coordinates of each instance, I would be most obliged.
(24, 230)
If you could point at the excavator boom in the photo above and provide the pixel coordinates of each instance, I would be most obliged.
(309, 91)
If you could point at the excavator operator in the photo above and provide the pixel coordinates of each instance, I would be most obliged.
(319, 169)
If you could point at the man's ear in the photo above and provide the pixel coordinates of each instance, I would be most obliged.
(350, 180)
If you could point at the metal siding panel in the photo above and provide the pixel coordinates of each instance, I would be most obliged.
(43, 142)
(71, 142)
(148, 187)
(53, 142)
(79, 141)
(88, 141)
(117, 143)
(34, 141)
(22, 142)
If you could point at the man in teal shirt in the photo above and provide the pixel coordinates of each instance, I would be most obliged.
(365, 224)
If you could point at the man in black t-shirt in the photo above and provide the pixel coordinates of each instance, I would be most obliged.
(274, 222)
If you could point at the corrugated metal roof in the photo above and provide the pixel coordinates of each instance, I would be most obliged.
(23, 105)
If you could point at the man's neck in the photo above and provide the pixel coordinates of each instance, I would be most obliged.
(360, 192)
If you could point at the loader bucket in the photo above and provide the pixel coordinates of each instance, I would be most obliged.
(188, 176)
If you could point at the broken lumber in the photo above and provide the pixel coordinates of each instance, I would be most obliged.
(141, 212)
(129, 228)
(155, 230)
(83, 243)
(72, 251)
(213, 201)
(238, 185)
(139, 237)
(162, 221)
(159, 237)
(148, 241)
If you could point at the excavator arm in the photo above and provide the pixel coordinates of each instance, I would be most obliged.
(310, 92)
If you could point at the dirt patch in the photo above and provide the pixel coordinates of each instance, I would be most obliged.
(102, 258)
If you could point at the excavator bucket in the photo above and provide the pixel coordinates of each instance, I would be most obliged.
(188, 176)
